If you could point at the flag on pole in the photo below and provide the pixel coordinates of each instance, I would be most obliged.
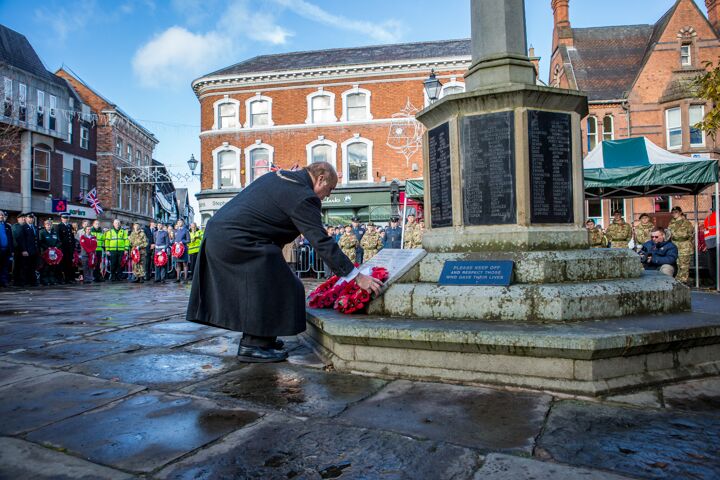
(92, 199)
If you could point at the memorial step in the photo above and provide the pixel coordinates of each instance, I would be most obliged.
(652, 292)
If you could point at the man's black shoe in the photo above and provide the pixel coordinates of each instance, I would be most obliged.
(277, 344)
(260, 355)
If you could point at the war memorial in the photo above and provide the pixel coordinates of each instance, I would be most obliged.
(509, 291)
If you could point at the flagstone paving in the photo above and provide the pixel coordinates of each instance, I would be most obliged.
(109, 382)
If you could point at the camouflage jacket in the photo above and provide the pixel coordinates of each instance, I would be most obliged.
(682, 230)
(619, 232)
(642, 232)
(597, 238)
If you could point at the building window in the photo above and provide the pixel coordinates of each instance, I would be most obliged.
(608, 128)
(617, 204)
(138, 157)
(119, 147)
(228, 114)
(41, 109)
(259, 111)
(52, 121)
(321, 107)
(674, 128)
(8, 96)
(147, 159)
(84, 184)
(356, 105)
(663, 204)
(41, 165)
(697, 135)
(321, 153)
(129, 153)
(685, 55)
(22, 101)
(67, 184)
(452, 87)
(595, 210)
(357, 160)
(228, 171)
(85, 137)
(70, 131)
(592, 133)
(259, 163)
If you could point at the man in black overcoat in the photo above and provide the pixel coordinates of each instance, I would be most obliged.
(67, 246)
(243, 282)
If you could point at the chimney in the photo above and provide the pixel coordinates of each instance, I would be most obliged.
(561, 12)
(562, 33)
(535, 60)
(713, 8)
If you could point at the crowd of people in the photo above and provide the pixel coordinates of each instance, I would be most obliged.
(64, 252)
(360, 242)
(668, 250)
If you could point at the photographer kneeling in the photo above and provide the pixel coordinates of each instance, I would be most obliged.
(658, 254)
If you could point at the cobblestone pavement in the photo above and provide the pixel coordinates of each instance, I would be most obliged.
(108, 381)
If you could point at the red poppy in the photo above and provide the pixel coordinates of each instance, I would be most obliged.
(135, 255)
(52, 256)
(178, 249)
(161, 259)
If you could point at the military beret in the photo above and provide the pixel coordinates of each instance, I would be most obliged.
(354, 219)
(64, 215)
(676, 209)
(395, 219)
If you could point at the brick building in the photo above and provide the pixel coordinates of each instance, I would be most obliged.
(636, 78)
(353, 107)
(124, 157)
(47, 137)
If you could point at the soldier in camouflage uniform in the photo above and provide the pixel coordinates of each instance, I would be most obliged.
(410, 239)
(596, 235)
(682, 234)
(619, 232)
(348, 243)
(643, 229)
(371, 242)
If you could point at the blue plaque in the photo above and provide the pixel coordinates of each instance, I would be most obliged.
(477, 272)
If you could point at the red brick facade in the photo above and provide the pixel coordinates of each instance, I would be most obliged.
(658, 80)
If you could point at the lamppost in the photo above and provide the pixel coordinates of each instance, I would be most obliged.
(433, 87)
(193, 163)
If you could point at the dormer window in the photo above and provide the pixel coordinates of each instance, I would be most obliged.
(685, 55)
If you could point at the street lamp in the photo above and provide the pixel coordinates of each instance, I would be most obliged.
(432, 87)
(193, 163)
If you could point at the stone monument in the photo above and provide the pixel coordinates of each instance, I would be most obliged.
(504, 181)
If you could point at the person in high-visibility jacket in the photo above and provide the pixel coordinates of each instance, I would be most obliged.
(196, 236)
(97, 232)
(116, 244)
(710, 231)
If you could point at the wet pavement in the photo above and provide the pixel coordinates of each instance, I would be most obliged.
(108, 381)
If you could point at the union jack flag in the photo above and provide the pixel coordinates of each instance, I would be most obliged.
(92, 199)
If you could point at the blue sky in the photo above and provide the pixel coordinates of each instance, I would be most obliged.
(143, 54)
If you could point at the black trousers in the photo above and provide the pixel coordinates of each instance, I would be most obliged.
(28, 269)
(115, 267)
(712, 266)
(4, 265)
(67, 267)
(149, 267)
(193, 261)
(96, 271)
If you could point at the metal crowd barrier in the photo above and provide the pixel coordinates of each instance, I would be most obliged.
(304, 261)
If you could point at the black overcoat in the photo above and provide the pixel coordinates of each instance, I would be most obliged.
(243, 282)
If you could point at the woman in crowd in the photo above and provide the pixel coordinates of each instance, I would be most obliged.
(86, 258)
(48, 238)
(162, 244)
(138, 241)
(182, 236)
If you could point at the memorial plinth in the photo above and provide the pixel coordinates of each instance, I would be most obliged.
(504, 182)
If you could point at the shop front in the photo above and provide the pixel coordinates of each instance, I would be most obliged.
(368, 204)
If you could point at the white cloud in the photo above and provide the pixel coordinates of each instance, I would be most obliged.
(388, 31)
(174, 57)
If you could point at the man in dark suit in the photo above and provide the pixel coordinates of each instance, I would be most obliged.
(67, 247)
(149, 250)
(7, 248)
(18, 259)
(242, 281)
(29, 251)
(359, 231)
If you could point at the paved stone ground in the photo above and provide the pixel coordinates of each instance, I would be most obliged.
(106, 382)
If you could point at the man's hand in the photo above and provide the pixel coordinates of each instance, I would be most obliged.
(649, 259)
(368, 283)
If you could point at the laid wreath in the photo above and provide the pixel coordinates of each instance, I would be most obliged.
(345, 297)
(52, 256)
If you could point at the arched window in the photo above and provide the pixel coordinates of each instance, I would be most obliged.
(357, 160)
(321, 150)
(258, 161)
(321, 107)
(592, 133)
(608, 128)
(453, 86)
(259, 112)
(226, 167)
(227, 114)
(356, 105)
